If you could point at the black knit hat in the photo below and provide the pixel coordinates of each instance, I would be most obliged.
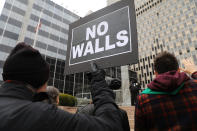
(26, 64)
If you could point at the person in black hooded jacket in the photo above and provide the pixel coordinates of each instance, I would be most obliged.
(25, 75)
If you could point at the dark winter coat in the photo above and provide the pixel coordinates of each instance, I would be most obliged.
(19, 113)
(89, 109)
(169, 103)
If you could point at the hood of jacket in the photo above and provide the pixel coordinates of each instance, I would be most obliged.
(168, 81)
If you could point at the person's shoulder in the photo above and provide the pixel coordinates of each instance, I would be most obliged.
(147, 98)
(45, 110)
(143, 96)
(42, 106)
(192, 84)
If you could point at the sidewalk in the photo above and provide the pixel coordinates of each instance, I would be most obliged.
(129, 109)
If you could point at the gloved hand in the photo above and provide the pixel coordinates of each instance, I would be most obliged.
(115, 84)
(101, 94)
(96, 74)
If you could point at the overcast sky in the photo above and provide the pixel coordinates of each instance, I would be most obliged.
(1, 5)
(81, 7)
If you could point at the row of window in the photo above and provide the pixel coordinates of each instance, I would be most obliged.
(73, 81)
(9, 34)
(145, 4)
(147, 8)
(47, 35)
(60, 8)
(45, 46)
(25, 2)
(56, 72)
(14, 9)
(51, 14)
(11, 21)
(5, 48)
(36, 18)
(49, 24)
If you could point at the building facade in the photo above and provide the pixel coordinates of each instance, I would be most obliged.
(164, 25)
(42, 24)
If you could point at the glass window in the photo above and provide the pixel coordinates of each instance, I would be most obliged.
(62, 52)
(19, 11)
(37, 7)
(53, 37)
(15, 22)
(43, 33)
(11, 35)
(5, 48)
(7, 6)
(29, 41)
(23, 1)
(52, 48)
(41, 45)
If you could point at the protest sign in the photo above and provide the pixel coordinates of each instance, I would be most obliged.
(107, 37)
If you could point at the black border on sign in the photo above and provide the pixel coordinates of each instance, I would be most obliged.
(109, 55)
(117, 60)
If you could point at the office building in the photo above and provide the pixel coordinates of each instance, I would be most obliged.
(164, 25)
(42, 24)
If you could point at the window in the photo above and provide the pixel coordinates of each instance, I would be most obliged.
(43, 33)
(1, 31)
(47, 12)
(41, 45)
(51, 48)
(63, 41)
(5, 48)
(35, 18)
(15, 22)
(53, 37)
(62, 52)
(188, 50)
(37, 7)
(7, 6)
(45, 22)
(19, 11)
(23, 1)
(29, 41)
(11, 35)
(54, 26)
(180, 52)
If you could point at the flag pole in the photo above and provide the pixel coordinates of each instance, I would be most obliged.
(38, 25)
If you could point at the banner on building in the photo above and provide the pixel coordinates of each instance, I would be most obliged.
(107, 37)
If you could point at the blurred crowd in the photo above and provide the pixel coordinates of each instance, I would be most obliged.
(28, 104)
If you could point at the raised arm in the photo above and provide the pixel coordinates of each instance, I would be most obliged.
(107, 116)
(190, 68)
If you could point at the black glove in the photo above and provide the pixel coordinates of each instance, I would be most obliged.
(115, 84)
(96, 74)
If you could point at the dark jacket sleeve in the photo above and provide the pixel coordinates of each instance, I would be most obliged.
(194, 75)
(107, 116)
(125, 120)
(140, 120)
